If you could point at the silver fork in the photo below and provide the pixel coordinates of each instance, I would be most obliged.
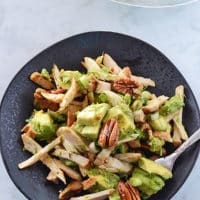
(169, 161)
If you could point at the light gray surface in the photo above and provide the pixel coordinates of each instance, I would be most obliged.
(29, 26)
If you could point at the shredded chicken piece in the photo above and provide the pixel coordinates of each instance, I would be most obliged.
(56, 74)
(44, 103)
(111, 64)
(154, 104)
(40, 154)
(95, 196)
(56, 98)
(33, 147)
(88, 183)
(78, 159)
(70, 190)
(68, 171)
(69, 96)
(72, 137)
(139, 116)
(103, 86)
(71, 113)
(40, 80)
(129, 157)
(163, 135)
(52, 177)
(178, 119)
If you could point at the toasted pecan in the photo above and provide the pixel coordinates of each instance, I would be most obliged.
(127, 191)
(109, 134)
(134, 192)
(124, 86)
(124, 191)
(114, 134)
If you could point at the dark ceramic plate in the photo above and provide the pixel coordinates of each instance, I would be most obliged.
(144, 60)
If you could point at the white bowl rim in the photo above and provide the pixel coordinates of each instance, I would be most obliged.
(154, 6)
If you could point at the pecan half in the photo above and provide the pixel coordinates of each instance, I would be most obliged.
(134, 192)
(109, 134)
(127, 191)
(124, 86)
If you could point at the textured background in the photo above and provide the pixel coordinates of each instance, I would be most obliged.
(29, 26)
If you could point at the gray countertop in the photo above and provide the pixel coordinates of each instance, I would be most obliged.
(29, 26)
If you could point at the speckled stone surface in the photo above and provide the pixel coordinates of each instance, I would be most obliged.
(27, 27)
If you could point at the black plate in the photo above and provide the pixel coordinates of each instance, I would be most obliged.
(144, 60)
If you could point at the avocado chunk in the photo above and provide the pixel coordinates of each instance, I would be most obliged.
(43, 125)
(156, 145)
(124, 116)
(89, 120)
(147, 183)
(159, 124)
(172, 105)
(105, 179)
(46, 74)
(59, 118)
(91, 132)
(114, 196)
(92, 114)
(155, 168)
(141, 101)
(65, 77)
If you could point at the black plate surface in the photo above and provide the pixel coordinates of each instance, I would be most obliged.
(144, 60)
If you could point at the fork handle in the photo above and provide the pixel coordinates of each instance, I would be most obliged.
(191, 140)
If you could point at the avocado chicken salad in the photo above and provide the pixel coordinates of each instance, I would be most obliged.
(100, 132)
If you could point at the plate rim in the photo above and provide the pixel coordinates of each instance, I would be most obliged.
(78, 35)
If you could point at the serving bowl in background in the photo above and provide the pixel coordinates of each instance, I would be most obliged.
(143, 59)
(154, 3)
